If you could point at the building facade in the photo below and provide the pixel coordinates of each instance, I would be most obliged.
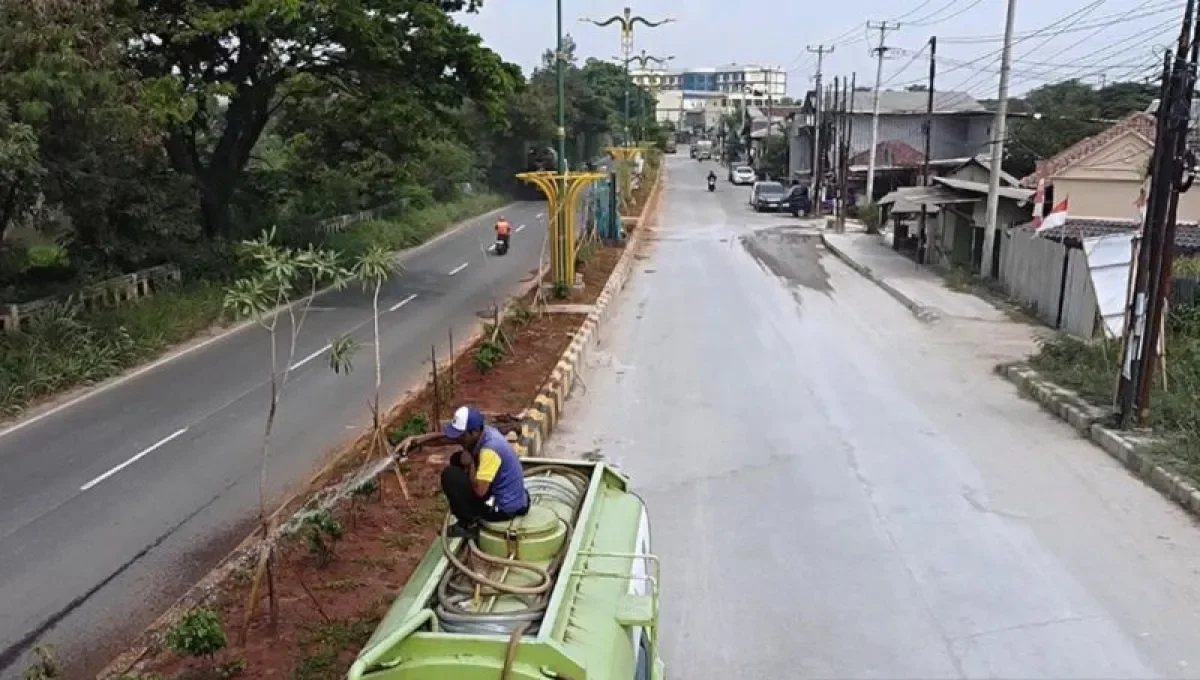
(961, 128)
(723, 87)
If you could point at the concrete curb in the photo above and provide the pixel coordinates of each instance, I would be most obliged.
(921, 312)
(539, 420)
(1129, 448)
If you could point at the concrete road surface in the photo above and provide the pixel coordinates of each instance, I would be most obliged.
(838, 490)
(110, 507)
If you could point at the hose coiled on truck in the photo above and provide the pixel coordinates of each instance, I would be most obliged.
(462, 583)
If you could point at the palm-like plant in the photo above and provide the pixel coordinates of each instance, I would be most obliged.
(373, 269)
(285, 282)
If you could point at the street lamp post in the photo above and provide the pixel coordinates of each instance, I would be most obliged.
(626, 20)
(643, 59)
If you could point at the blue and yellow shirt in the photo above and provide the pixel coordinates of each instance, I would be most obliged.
(498, 465)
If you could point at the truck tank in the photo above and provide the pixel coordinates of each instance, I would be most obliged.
(568, 592)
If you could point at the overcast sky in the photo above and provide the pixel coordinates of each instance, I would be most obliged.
(1059, 39)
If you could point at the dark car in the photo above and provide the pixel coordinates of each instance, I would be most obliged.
(796, 200)
(767, 196)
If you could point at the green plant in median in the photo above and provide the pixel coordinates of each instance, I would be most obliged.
(283, 285)
(488, 355)
(323, 531)
(199, 635)
(45, 665)
(373, 269)
(415, 425)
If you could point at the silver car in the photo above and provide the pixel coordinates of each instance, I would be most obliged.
(742, 174)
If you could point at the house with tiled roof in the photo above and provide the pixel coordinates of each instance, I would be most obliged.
(1103, 175)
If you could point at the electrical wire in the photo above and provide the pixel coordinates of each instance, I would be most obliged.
(1102, 20)
(929, 21)
(916, 55)
(1083, 11)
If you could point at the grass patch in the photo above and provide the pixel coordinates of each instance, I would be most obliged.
(1092, 369)
(69, 348)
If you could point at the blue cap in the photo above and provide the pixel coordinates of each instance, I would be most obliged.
(466, 419)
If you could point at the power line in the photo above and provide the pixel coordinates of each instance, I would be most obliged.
(1104, 19)
(1082, 11)
(962, 10)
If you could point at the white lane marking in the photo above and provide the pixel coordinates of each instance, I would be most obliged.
(459, 268)
(309, 358)
(518, 229)
(149, 449)
(403, 302)
(541, 215)
(115, 382)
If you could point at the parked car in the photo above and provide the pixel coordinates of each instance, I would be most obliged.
(767, 196)
(796, 200)
(742, 174)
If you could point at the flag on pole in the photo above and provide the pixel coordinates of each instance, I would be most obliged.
(1039, 201)
(1140, 203)
(1056, 218)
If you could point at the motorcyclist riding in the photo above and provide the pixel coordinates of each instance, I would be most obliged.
(712, 177)
(503, 230)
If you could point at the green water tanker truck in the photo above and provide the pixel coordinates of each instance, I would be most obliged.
(568, 592)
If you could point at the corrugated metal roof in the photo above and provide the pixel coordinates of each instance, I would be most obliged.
(981, 188)
(902, 101)
(910, 199)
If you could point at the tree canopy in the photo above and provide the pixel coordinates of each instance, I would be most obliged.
(137, 132)
(1069, 111)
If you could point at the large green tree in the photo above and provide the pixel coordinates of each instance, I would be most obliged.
(1068, 112)
(231, 65)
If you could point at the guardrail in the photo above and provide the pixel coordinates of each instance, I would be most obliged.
(107, 293)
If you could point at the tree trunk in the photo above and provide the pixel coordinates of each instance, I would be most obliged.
(215, 197)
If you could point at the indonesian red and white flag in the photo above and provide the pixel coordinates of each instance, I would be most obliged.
(1140, 203)
(1056, 218)
(1039, 203)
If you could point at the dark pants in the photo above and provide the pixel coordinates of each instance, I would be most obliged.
(466, 507)
(503, 238)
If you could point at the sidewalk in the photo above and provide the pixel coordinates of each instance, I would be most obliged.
(922, 291)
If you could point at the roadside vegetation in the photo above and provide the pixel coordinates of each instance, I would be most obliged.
(128, 142)
(1091, 370)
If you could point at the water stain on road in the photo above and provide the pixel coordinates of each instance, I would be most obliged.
(791, 253)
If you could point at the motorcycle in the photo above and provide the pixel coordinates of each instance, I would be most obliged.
(712, 183)
(501, 246)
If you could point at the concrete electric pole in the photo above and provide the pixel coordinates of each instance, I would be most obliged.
(998, 132)
(815, 190)
(883, 27)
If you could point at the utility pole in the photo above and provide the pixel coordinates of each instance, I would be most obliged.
(835, 144)
(844, 176)
(998, 132)
(1172, 173)
(928, 145)
(883, 27)
(820, 51)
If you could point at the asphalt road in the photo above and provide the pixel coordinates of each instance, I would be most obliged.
(110, 507)
(838, 490)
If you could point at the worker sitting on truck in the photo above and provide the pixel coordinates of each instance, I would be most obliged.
(484, 481)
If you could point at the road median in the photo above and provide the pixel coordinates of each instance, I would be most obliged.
(350, 540)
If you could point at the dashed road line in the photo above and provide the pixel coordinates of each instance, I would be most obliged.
(309, 358)
(146, 451)
(459, 268)
(403, 302)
